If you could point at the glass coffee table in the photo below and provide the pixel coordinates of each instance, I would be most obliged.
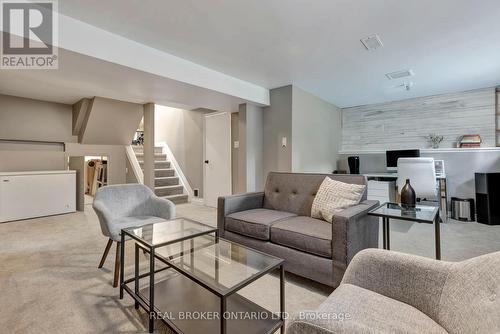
(419, 214)
(205, 274)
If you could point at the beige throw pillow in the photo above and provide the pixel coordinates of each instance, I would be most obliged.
(334, 196)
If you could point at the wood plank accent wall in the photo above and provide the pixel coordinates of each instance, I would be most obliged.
(404, 124)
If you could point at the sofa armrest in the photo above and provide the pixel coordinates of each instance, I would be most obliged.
(352, 230)
(414, 280)
(236, 203)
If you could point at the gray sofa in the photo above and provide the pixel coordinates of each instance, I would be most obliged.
(390, 292)
(277, 221)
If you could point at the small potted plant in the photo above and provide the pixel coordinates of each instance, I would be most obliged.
(434, 140)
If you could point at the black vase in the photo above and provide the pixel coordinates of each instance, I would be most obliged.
(408, 198)
(353, 165)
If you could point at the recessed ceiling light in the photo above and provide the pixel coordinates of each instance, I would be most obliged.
(399, 74)
(372, 42)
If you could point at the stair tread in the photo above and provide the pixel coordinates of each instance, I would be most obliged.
(167, 187)
(142, 161)
(175, 196)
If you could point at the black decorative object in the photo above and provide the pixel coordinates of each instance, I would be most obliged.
(353, 164)
(408, 198)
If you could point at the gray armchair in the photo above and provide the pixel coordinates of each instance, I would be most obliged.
(389, 292)
(127, 205)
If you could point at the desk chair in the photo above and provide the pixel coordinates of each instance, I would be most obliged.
(422, 175)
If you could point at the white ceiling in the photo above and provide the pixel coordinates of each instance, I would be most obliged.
(451, 45)
(81, 76)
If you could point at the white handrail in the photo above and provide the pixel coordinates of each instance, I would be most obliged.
(136, 167)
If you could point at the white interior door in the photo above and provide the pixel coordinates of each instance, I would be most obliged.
(217, 157)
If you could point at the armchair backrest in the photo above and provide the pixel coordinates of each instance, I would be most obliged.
(124, 200)
(294, 192)
(470, 300)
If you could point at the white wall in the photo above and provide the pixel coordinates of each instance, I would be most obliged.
(404, 124)
(316, 133)
(182, 130)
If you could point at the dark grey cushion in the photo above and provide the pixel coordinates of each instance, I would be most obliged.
(307, 234)
(295, 192)
(254, 223)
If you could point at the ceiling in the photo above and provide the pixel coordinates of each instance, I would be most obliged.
(81, 76)
(451, 45)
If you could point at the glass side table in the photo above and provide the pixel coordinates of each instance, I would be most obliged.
(418, 214)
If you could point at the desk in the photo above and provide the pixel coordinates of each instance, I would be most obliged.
(441, 178)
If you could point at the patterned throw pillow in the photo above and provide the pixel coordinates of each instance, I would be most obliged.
(334, 196)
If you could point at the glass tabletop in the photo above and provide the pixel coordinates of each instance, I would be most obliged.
(168, 231)
(420, 213)
(222, 266)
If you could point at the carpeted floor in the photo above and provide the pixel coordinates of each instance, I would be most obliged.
(50, 281)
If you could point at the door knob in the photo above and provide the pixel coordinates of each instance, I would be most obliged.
(206, 161)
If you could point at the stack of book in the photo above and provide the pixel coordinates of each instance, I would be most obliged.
(470, 141)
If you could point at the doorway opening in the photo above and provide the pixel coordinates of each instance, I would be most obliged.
(95, 176)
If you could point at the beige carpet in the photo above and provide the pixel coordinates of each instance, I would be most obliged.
(50, 282)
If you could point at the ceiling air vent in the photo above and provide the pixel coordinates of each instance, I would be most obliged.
(372, 42)
(399, 74)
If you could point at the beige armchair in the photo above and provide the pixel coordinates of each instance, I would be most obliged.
(389, 292)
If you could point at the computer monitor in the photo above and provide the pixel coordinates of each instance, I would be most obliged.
(393, 156)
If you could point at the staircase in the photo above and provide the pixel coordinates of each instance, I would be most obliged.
(167, 184)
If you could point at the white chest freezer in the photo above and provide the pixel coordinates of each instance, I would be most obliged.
(26, 195)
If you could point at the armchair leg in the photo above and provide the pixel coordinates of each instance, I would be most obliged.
(117, 265)
(105, 254)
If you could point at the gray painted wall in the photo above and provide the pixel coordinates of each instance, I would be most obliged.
(277, 124)
(182, 130)
(250, 152)
(238, 183)
(111, 122)
(316, 133)
(312, 129)
(27, 119)
(404, 124)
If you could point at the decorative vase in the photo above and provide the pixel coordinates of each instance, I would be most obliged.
(408, 198)
(353, 164)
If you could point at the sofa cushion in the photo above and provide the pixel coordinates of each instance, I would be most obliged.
(254, 223)
(352, 309)
(295, 192)
(306, 234)
(334, 196)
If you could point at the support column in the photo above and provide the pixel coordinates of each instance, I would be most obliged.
(149, 145)
(250, 152)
